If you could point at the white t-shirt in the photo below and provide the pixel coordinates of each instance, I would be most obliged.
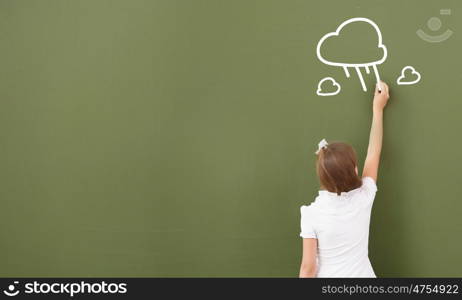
(341, 225)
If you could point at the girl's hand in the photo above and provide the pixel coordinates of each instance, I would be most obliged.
(381, 98)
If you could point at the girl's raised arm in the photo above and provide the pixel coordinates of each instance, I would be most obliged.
(371, 164)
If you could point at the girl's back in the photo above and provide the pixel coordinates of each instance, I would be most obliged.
(340, 223)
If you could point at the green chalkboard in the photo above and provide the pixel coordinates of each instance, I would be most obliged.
(177, 138)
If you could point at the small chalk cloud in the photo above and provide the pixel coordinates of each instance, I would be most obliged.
(328, 87)
(408, 76)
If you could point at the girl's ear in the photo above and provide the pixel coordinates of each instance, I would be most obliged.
(356, 170)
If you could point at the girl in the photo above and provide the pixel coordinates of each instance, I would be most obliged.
(335, 227)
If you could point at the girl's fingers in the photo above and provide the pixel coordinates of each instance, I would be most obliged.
(378, 88)
(384, 87)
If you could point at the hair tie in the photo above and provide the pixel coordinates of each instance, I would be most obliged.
(322, 145)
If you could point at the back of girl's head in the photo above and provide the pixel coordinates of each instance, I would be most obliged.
(337, 168)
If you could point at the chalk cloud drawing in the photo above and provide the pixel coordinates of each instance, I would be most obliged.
(405, 80)
(324, 91)
(356, 66)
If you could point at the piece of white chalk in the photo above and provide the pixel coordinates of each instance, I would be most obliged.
(379, 87)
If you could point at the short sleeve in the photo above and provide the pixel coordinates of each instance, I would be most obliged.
(306, 223)
(369, 187)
